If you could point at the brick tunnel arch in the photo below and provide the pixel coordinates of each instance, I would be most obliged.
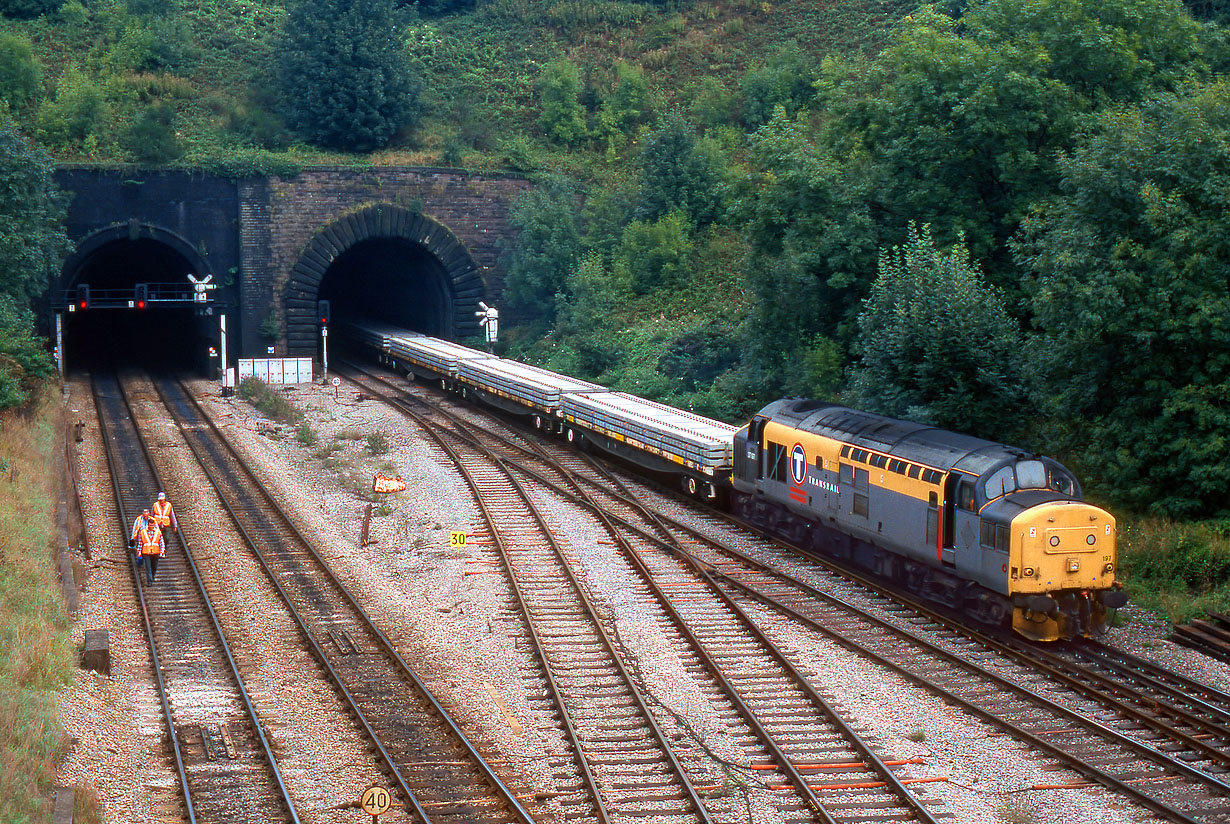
(449, 269)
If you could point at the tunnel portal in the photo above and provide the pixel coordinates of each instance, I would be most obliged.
(112, 323)
(393, 281)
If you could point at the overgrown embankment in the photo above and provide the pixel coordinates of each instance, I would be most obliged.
(36, 653)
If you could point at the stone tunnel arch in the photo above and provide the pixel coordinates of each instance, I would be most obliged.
(128, 234)
(433, 263)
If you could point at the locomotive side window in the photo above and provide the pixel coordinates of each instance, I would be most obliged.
(776, 462)
(1062, 482)
(845, 451)
(846, 475)
(995, 536)
(965, 495)
(933, 524)
(878, 461)
(988, 535)
(1002, 537)
(915, 470)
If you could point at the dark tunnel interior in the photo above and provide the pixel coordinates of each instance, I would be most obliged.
(155, 337)
(393, 281)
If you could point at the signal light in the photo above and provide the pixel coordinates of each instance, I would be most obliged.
(83, 295)
(142, 294)
(322, 312)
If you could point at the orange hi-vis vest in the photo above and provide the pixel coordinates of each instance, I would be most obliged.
(162, 513)
(151, 539)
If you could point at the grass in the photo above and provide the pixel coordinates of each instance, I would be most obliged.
(917, 735)
(269, 401)
(36, 653)
(1180, 570)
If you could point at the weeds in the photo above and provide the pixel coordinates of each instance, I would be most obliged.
(305, 434)
(917, 735)
(378, 443)
(1180, 570)
(36, 654)
(269, 402)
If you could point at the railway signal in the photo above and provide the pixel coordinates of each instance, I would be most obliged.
(83, 296)
(142, 294)
(322, 312)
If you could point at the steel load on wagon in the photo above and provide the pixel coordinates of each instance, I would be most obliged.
(375, 336)
(440, 356)
(530, 385)
(692, 438)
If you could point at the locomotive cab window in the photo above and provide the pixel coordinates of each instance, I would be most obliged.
(1001, 482)
(846, 475)
(1061, 481)
(775, 462)
(1031, 475)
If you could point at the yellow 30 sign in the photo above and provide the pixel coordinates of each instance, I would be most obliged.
(456, 538)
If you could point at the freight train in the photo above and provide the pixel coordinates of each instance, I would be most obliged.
(987, 528)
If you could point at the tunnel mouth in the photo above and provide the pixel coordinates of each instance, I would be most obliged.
(393, 281)
(111, 334)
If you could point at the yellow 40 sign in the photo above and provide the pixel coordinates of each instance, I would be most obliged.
(376, 801)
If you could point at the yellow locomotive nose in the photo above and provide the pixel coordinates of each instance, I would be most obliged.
(1066, 552)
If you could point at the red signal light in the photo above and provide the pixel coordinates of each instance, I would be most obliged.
(140, 304)
(83, 305)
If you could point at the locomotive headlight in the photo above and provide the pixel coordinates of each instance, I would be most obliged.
(1108, 569)
(1029, 572)
(1054, 540)
(1074, 565)
(1091, 539)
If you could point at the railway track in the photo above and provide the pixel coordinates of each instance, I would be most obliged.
(1126, 738)
(439, 774)
(226, 770)
(805, 754)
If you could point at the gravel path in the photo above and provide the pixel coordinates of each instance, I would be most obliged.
(450, 621)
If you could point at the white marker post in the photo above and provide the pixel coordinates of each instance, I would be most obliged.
(324, 353)
(489, 319)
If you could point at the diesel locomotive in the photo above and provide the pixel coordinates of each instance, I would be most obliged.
(984, 527)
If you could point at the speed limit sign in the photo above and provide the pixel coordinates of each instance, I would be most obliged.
(376, 802)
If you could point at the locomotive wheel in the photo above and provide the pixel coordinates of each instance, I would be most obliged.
(689, 485)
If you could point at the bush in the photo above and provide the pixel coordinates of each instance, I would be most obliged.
(378, 443)
(1180, 569)
(19, 74)
(28, 9)
(269, 402)
(24, 359)
(561, 116)
(305, 434)
(74, 114)
(655, 255)
(151, 138)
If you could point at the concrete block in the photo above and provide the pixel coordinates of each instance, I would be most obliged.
(97, 655)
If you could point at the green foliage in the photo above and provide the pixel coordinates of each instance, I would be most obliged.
(33, 243)
(628, 104)
(678, 172)
(24, 359)
(561, 117)
(548, 246)
(19, 72)
(576, 15)
(656, 254)
(151, 138)
(786, 79)
(25, 9)
(1130, 267)
(712, 105)
(74, 114)
(344, 75)
(271, 327)
(272, 404)
(305, 434)
(936, 346)
(1178, 569)
(378, 443)
(593, 294)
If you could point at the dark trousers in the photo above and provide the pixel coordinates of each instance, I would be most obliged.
(151, 563)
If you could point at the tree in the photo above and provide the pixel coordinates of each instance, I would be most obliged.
(19, 74)
(678, 172)
(33, 242)
(628, 104)
(936, 345)
(561, 116)
(787, 79)
(1130, 285)
(27, 9)
(33, 245)
(344, 75)
(656, 254)
(548, 247)
(151, 138)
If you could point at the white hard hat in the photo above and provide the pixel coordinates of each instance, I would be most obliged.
(162, 496)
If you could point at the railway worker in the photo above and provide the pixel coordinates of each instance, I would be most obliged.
(164, 513)
(151, 546)
(136, 528)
